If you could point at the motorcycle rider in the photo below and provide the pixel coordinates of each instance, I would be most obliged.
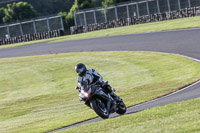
(92, 77)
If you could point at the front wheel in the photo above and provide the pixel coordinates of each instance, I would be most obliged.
(121, 108)
(99, 109)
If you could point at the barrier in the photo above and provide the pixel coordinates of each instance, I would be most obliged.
(187, 12)
(31, 37)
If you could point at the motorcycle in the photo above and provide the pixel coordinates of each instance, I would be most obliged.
(100, 101)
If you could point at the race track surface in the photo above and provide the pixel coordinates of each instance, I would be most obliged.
(184, 42)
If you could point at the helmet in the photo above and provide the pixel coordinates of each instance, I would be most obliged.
(80, 69)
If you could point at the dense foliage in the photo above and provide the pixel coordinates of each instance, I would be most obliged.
(2, 14)
(107, 3)
(28, 9)
(44, 7)
(51, 7)
(68, 18)
(19, 11)
(84, 4)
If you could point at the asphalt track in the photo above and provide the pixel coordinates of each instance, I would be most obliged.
(183, 42)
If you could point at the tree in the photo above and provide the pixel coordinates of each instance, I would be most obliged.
(19, 11)
(2, 15)
(83, 4)
(107, 3)
(97, 3)
(49, 7)
(69, 19)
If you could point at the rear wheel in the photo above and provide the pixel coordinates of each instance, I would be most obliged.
(99, 109)
(121, 108)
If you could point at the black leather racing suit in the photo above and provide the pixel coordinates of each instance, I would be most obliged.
(91, 77)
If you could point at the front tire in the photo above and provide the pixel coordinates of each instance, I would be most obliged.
(101, 111)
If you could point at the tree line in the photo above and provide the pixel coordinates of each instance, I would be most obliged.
(29, 9)
(17, 12)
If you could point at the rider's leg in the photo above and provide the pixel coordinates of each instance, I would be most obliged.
(111, 91)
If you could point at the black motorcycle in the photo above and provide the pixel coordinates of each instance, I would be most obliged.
(100, 101)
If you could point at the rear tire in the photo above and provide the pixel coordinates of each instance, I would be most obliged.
(121, 108)
(102, 112)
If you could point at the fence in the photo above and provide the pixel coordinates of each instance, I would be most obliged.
(31, 37)
(186, 12)
(31, 27)
(131, 10)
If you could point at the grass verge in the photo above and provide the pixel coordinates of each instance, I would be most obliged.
(184, 23)
(37, 93)
(181, 117)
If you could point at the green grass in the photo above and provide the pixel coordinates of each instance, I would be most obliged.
(181, 117)
(184, 23)
(37, 93)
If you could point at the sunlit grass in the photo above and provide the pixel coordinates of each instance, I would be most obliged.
(37, 93)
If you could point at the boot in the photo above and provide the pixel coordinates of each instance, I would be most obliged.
(111, 91)
(115, 97)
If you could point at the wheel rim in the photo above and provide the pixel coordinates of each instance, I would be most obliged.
(104, 110)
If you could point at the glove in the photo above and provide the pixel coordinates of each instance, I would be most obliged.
(77, 88)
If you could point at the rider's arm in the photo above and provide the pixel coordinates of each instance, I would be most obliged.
(91, 77)
(97, 78)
